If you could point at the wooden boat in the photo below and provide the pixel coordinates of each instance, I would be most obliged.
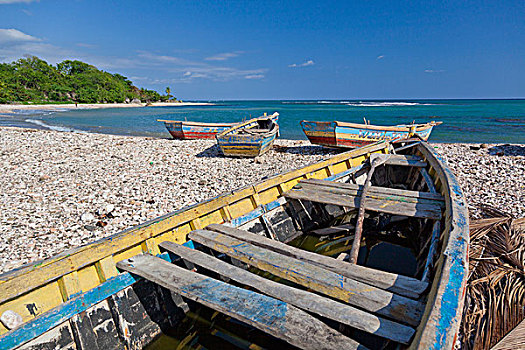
(186, 130)
(249, 139)
(123, 290)
(351, 135)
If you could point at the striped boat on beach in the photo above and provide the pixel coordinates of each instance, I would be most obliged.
(251, 138)
(194, 130)
(351, 135)
(188, 130)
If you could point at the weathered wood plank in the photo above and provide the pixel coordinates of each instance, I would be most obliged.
(354, 189)
(333, 230)
(406, 160)
(428, 180)
(270, 315)
(386, 205)
(410, 145)
(429, 264)
(403, 285)
(315, 277)
(312, 302)
(514, 340)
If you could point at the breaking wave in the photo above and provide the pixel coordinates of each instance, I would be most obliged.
(53, 127)
(387, 104)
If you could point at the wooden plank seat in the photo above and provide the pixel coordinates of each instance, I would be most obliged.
(270, 315)
(381, 199)
(399, 284)
(315, 277)
(405, 160)
(305, 300)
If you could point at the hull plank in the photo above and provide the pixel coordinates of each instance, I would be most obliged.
(96, 329)
(192, 130)
(312, 302)
(60, 337)
(315, 277)
(398, 284)
(273, 316)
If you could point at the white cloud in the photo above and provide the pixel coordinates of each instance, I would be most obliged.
(304, 64)
(254, 76)
(380, 57)
(15, 44)
(14, 35)
(189, 70)
(224, 56)
(434, 70)
(4, 2)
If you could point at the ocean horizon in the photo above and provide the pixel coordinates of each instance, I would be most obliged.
(464, 120)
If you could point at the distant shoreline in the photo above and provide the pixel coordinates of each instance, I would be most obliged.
(11, 108)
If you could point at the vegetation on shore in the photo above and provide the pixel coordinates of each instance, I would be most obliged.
(33, 80)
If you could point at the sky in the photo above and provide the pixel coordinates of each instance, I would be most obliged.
(215, 50)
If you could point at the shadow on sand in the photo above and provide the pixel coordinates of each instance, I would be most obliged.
(309, 149)
(215, 152)
(211, 152)
(507, 150)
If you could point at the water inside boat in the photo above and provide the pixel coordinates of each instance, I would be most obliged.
(204, 328)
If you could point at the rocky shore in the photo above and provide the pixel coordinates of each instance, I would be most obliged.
(489, 174)
(62, 190)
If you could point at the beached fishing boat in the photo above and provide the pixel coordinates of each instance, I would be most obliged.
(351, 135)
(187, 130)
(124, 290)
(249, 139)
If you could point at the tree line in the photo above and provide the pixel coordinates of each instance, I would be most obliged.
(32, 79)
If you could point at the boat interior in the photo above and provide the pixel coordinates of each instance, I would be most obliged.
(299, 253)
(259, 126)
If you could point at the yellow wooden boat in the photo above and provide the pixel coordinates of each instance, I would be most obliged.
(251, 138)
(86, 298)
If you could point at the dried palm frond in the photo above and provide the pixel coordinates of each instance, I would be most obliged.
(495, 297)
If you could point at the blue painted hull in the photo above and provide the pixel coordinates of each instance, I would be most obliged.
(347, 135)
(239, 142)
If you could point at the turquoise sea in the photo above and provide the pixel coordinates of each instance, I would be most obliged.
(495, 121)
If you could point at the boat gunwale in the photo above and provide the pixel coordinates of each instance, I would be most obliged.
(236, 128)
(190, 123)
(61, 264)
(399, 128)
(441, 320)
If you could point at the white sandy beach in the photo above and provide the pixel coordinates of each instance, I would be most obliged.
(10, 108)
(63, 189)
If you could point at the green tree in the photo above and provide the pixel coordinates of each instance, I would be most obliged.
(168, 91)
(31, 79)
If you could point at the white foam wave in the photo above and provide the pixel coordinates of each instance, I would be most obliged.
(53, 127)
(387, 104)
